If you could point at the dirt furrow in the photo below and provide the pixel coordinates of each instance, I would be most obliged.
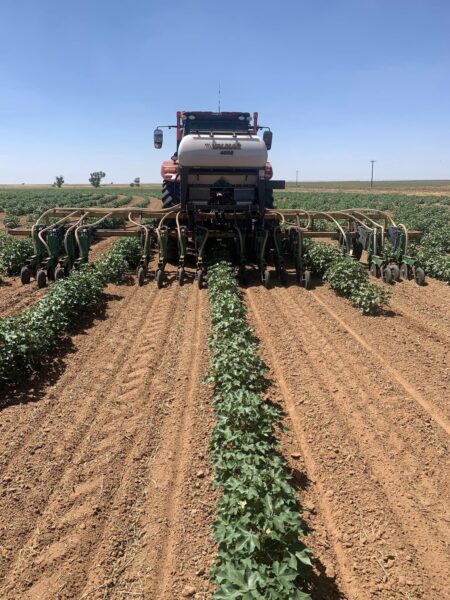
(108, 491)
(58, 452)
(408, 359)
(174, 549)
(384, 547)
(22, 428)
(390, 420)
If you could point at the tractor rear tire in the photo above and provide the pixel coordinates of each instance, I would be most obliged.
(173, 253)
(25, 275)
(170, 194)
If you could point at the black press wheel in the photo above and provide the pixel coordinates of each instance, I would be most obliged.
(395, 272)
(41, 278)
(419, 276)
(404, 271)
(140, 276)
(25, 275)
(374, 270)
(180, 275)
(51, 273)
(387, 275)
(60, 273)
(243, 276)
(307, 280)
(283, 277)
(200, 279)
(159, 278)
(266, 279)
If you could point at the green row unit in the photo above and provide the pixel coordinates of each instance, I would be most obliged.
(57, 250)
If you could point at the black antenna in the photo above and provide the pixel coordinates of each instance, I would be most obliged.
(219, 96)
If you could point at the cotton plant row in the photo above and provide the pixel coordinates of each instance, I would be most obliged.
(27, 337)
(346, 277)
(258, 528)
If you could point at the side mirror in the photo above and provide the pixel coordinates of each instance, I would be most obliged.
(158, 138)
(267, 137)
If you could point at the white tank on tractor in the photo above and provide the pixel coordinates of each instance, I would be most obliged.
(222, 150)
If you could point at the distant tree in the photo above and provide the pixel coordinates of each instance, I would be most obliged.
(131, 184)
(59, 180)
(137, 181)
(96, 178)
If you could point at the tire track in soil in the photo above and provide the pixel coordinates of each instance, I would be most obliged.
(382, 547)
(18, 429)
(77, 417)
(92, 504)
(14, 296)
(172, 545)
(437, 356)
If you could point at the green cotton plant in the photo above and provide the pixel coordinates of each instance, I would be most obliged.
(28, 336)
(258, 526)
(14, 253)
(349, 279)
(320, 256)
(346, 277)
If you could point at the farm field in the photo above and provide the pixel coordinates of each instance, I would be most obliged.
(107, 466)
(411, 187)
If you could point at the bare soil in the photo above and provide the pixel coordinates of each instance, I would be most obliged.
(106, 482)
(105, 469)
(366, 402)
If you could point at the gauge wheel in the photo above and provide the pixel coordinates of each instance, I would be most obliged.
(404, 271)
(25, 275)
(60, 273)
(51, 273)
(159, 278)
(141, 276)
(387, 275)
(419, 276)
(307, 280)
(41, 278)
(200, 278)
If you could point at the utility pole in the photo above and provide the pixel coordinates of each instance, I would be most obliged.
(296, 178)
(371, 177)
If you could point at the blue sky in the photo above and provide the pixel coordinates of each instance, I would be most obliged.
(84, 83)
